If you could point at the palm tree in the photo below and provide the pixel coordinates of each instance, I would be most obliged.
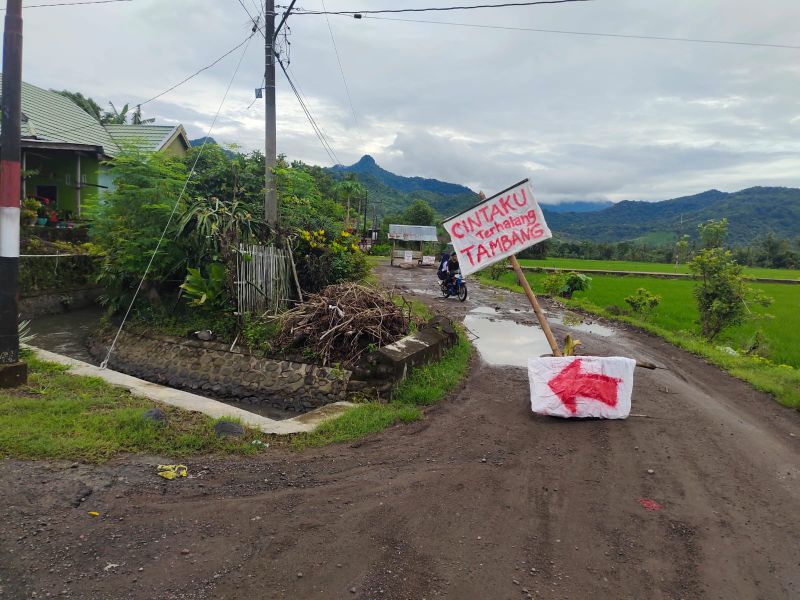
(349, 187)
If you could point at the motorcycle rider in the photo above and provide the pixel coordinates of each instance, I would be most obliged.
(452, 269)
(441, 273)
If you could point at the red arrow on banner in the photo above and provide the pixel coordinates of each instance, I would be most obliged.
(570, 383)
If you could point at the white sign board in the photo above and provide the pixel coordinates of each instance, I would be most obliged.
(581, 386)
(408, 256)
(428, 260)
(499, 227)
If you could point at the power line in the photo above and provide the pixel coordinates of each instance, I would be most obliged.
(196, 73)
(71, 3)
(341, 70)
(590, 33)
(432, 9)
(305, 100)
(169, 89)
(104, 364)
(252, 19)
(317, 130)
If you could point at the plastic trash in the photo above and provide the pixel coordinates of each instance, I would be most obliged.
(172, 471)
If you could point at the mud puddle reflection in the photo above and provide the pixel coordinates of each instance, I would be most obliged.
(503, 342)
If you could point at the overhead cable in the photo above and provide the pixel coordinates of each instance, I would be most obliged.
(71, 3)
(341, 70)
(591, 33)
(166, 91)
(317, 130)
(300, 11)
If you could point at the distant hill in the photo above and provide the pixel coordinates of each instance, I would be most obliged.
(394, 193)
(367, 166)
(752, 213)
(211, 140)
(577, 206)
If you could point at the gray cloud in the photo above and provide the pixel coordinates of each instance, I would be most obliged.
(584, 117)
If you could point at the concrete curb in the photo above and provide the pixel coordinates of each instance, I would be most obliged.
(193, 402)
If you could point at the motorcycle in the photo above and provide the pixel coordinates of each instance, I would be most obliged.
(455, 287)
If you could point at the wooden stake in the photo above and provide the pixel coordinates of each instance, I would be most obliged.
(294, 273)
(535, 304)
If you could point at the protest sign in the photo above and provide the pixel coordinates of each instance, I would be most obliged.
(497, 228)
(581, 386)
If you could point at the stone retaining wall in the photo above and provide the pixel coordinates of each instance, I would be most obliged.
(210, 368)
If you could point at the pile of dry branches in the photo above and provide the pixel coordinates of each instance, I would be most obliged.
(343, 321)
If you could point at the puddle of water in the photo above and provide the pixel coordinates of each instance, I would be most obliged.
(503, 342)
(485, 310)
(430, 292)
(592, 328)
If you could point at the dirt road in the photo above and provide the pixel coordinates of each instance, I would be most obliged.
(482, 499)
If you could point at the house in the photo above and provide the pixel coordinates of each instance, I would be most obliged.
(64, 148)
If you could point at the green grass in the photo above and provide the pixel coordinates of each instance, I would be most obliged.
(675, 320)
(57, 415)
(626, 265)
(425, 385)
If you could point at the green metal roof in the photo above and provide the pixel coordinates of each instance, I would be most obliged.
(149, 138)
(55, 118)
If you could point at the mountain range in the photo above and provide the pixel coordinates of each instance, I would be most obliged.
(751, 213)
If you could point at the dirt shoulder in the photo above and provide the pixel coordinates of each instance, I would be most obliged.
(482, 499)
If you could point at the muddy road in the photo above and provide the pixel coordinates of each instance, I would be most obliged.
(695, 497)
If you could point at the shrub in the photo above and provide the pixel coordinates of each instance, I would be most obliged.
(496, 270)
(381, 250)
(553, 283)
(322, 260)
(575, 282)
(130, 221)
(207, 291)
(643, 301)
(721, 292)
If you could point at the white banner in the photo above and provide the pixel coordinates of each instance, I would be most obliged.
(582, 386)
(499, 227)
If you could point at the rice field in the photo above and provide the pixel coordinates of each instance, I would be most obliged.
(624, 265)
(778, 323)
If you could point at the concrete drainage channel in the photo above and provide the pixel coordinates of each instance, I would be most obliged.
(194, 402)
(256, 391)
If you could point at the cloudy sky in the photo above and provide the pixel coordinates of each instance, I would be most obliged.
(585, 117)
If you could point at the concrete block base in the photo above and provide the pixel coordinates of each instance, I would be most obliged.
(13, 375)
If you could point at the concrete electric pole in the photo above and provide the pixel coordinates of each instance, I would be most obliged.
(270, 151)
(12, 371)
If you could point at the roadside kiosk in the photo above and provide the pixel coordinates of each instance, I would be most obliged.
(411, 233)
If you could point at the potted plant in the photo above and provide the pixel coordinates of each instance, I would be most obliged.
(30, 211)
(52, 218)
(43, 213)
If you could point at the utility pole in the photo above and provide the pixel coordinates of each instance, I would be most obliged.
(270, 150)
(12, 371)
(366, 198)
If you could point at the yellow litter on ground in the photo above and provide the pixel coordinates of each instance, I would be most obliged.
(172, 471)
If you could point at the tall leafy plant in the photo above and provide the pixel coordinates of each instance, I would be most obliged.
(129, 223)
(722, 294)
